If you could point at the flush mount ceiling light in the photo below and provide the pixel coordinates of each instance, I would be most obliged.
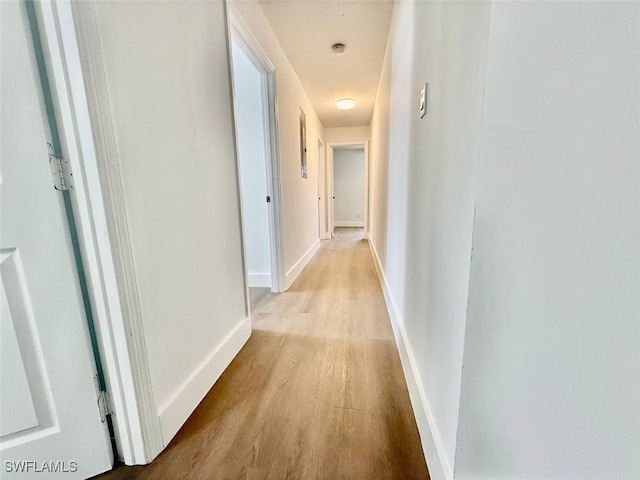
(346, 104)
(338, 48)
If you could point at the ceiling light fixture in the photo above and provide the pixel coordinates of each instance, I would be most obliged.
(346, 104)
(338, 48)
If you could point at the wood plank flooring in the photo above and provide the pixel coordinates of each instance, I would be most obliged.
(316, 393)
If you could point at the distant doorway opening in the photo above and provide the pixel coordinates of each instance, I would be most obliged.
(348, 175)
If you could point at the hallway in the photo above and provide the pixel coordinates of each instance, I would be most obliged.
(317, 392)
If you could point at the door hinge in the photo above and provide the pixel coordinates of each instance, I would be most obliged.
(60, 170)
(268, 199)
(103, 406)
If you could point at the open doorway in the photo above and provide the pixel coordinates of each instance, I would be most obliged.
(254, 102)
(348, 184)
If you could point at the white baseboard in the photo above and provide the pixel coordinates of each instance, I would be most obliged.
(439, 468)
(187, 397)
(259, 279)
(293, 273)
(349, 223)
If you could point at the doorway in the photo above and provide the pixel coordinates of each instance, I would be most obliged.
(348, 185)
(255, 119)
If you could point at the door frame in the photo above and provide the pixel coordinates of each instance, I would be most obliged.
(240, 33)
(330, 148)
(322, 192)
(73, 57)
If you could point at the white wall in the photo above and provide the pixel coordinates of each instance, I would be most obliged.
(546, 314)
(422, 181)
(347, 134)
(348, 187)
(249, 108)
(167, 74)
(299, 195)
(551, 384)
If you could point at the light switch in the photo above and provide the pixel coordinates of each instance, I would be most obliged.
(423, 100)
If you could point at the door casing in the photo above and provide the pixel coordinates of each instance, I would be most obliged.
(242, 36)
(322, 193)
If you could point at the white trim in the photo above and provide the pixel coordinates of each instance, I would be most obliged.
(434, 452)
(322, 192)
(187, 396)
(349, 223)
(87, 131)
(239, 32)
(238, 169)
(330, 194)
(366, 189)
(261, 280)
(242, 34)
(331, 146)
(295, 271)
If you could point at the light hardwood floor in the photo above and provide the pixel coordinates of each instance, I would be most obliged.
(316, 393)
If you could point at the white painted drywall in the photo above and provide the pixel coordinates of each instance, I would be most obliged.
(348, 187)
(299, 195)
(546, 315)
(167, 73)
(249, 105)
(347, 134)
(422, 178)
(551, 383)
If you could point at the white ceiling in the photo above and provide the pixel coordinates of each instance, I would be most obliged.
(307, 29)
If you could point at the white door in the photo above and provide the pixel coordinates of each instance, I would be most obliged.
(50, 423)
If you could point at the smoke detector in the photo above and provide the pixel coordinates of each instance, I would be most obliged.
(338, 48)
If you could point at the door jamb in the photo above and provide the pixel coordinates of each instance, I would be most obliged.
(239, 32)
(330, 147)
(72, 45)
(322, 192)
